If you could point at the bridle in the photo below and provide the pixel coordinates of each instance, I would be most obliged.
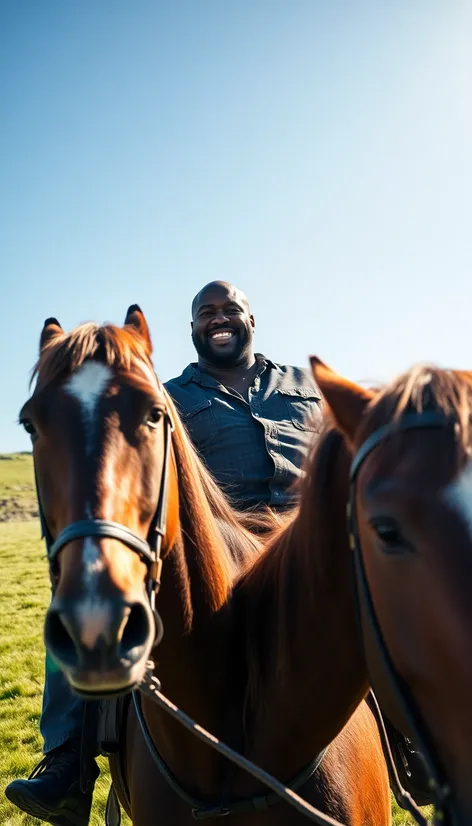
(394, 694)
(149, 549)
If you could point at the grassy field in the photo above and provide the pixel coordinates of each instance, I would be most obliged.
(17, 494)
(24, 596)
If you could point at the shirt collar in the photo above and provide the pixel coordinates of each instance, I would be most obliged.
(193, 373)
(265, 362)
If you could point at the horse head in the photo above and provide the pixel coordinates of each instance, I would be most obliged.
(411, 535)
(100, 425)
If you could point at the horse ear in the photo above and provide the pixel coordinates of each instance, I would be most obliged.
(135, 318)
(51, 329)
(347, 400)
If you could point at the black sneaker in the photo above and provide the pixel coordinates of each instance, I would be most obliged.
(52, 791)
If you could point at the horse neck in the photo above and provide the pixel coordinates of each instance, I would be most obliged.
(196, 659)
(197, 580)
(306, 666)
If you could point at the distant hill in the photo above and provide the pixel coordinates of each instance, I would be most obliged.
(17, 493)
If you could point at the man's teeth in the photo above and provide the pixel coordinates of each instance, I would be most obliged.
(223, 334)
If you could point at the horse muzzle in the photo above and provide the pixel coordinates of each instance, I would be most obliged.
(101, 645)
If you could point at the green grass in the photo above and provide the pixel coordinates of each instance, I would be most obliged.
(24, 596)
(17, 493)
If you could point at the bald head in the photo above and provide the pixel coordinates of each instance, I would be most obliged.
(222, 325)
(223, 287)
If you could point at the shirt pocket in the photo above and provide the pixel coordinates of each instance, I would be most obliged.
(304, 410)
(200, 422)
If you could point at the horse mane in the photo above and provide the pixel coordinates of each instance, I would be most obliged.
(221, 538)
(294, 567)
(424, 387)
(216, 539)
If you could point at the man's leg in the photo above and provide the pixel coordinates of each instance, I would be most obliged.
(52, 792)
(62, 714)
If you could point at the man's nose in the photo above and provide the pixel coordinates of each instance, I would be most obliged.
(219, 318)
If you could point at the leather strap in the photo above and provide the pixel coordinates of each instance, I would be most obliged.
(201, 810)
(379, 662)
(148, 549)
(101, 528)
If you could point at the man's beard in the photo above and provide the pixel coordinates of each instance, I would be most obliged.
(213, 354)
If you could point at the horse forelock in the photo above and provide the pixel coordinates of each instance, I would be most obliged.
(423, 388)
(120, 348)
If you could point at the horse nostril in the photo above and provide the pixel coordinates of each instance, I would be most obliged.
(109, 636)
(136, 632)
(59, 641)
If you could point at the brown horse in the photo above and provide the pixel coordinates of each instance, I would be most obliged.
(411, 504)
(260, 643)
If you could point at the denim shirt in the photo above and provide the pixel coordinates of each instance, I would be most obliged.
(254, 448)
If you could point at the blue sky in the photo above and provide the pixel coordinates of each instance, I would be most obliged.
(318, 154)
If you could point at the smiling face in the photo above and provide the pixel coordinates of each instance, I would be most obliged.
(222, 326)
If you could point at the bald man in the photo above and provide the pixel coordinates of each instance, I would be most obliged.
(250, 419)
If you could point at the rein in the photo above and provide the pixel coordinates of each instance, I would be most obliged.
(151, 687)
(377, 653)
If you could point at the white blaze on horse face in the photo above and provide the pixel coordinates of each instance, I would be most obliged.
(95, 621)
(87, 385)
(459, 495)
(93, 564)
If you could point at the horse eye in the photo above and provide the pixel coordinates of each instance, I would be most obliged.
(390, 535)
(154, 417)
(29, 427)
